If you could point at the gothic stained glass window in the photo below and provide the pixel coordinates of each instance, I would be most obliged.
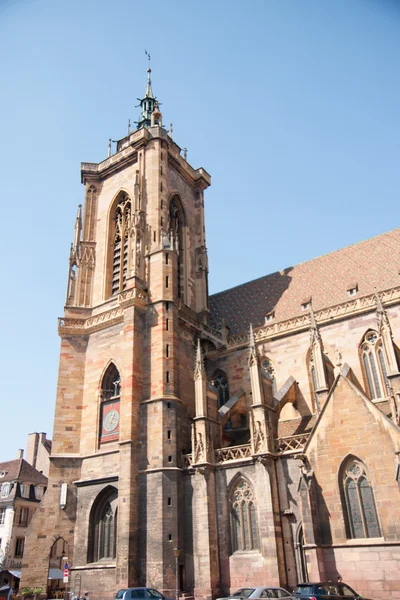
(220, 382)
(360, 507)
(106, 538)
(374, 363)
(121, 242)
(243, 518)
(102, 541)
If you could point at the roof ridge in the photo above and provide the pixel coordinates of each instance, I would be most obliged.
(282, 271)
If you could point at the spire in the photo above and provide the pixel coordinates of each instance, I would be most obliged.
(78, 228)
(149, 91)
(199, 363)
(147, 103)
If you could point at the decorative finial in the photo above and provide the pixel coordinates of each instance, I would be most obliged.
(129, 126)
(252, 359)
(185, 154)
(381, 314)
(199, 364)
(109, 147)
(314, 331)
(170, 130)
(378, 302)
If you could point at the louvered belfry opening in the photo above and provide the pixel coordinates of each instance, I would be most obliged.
(122, 222)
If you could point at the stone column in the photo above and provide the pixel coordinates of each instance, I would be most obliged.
(318, 363)
(260, 429)
(205, 539)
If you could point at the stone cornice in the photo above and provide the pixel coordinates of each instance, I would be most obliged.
(84, 326)
(324, 316)
(96, 481)
(128, 155)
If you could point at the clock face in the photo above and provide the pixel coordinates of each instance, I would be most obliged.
(111, 420)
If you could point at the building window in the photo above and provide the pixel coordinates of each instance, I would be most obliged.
(23, 514)
(103, 526)
(5, 489)
(39, 491)
(220, 382)
(243, 518)
(25, 490)
(374, 364)
(2, 516)
(121, 232)
(110, 405)
(360, 510)
(19, 547)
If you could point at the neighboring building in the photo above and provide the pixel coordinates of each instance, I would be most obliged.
(38, 450)
(21, 489)
(266, 454)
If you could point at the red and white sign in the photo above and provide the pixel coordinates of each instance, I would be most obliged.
(66, 573)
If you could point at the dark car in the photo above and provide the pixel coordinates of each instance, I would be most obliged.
(140, 593)
(324, 590)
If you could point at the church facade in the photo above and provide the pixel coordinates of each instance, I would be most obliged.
(213, 442)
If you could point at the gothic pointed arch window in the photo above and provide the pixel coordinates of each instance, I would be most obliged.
(120, 244)
(221, 384)
(359, 504)
(110, 397)
(244, 527)
(177, 236)
(374, 365)
(102, 538)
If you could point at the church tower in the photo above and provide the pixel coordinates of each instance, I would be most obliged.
(136, 304)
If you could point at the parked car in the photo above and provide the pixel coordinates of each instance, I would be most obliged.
(324, 591)
(141, 593)
(260, 592)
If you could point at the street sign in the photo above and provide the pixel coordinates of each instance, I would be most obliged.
(66, 573)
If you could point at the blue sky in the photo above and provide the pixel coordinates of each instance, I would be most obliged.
(291, 105)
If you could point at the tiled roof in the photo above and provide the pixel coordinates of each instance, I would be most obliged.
(22, 471)
(370, 264)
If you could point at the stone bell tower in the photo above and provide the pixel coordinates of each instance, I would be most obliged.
(136, 302)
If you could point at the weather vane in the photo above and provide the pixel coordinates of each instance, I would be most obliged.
(148, 56)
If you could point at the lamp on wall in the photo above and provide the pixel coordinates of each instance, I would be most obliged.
(63, 495)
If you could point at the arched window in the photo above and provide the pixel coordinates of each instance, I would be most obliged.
(244, 529)
(176, 229)
(121, 241)
(269, 371)
(360, 510)
(110, 405)
(220, 382)
(102, 539)
(374, 365)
